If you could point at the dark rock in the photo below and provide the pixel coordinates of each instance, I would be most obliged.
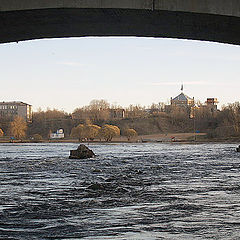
(82, 152)
(238, 148)
(96, 186)
(96, 170)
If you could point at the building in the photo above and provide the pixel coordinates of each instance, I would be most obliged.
(211, 103)
(13, 109)
(118, 113)
(58, 135)
(182, 100)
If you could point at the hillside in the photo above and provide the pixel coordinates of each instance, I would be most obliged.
(161, 123)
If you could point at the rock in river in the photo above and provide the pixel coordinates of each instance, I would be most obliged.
(82, 152)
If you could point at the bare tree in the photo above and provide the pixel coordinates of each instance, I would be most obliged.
(18, 128)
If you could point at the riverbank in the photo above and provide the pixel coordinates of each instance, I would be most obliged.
(155, 138)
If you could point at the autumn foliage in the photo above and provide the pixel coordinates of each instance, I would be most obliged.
(91, 132)
(78, 132)
(1, 132)
(108, 132)
(18, 127)
(130, 133)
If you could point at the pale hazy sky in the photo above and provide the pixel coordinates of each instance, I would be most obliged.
(69, 73)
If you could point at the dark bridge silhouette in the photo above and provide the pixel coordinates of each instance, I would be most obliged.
(210, 20)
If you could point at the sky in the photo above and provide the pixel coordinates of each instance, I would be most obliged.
(68, 73)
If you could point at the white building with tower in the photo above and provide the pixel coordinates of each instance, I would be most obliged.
(182, 100)
(57, 135)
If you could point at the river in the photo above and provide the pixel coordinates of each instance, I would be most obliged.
(129, 191)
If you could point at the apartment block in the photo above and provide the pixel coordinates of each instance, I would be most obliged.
(13, 109)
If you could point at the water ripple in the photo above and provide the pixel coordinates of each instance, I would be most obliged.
(129, 191)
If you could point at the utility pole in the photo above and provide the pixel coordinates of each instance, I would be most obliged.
(193, 117)
(194, 129)
(194, 124)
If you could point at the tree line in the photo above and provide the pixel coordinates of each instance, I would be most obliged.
(95, 122)
(46, 122)
(82, 132)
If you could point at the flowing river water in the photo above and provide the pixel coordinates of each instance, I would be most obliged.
(129, 191)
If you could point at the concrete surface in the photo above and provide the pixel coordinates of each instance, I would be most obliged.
(210, 20)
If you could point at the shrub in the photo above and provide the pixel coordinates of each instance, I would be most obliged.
(108, 132)
(37, 137)
(130, 133)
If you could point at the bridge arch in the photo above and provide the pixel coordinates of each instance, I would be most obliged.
(209, 20)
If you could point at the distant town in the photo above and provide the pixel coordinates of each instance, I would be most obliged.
(101, 121)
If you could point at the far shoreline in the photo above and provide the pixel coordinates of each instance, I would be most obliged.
(167, 138)
(215, 141)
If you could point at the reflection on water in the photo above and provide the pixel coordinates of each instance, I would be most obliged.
(129, 191)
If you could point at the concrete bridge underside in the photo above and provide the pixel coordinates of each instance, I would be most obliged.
(210, 20)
